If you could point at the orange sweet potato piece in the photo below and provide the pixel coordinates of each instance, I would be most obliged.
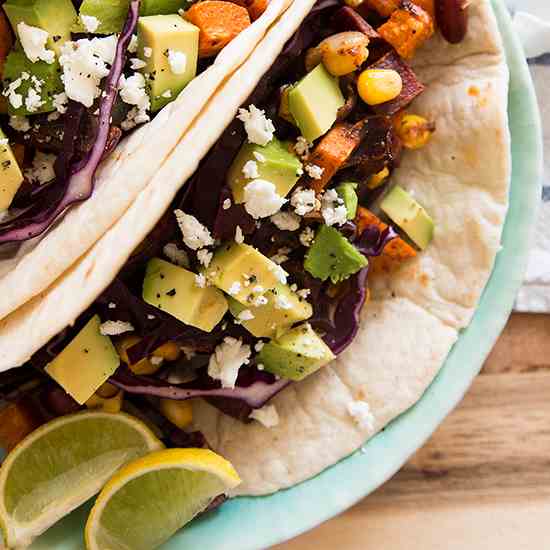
(384, 7)
(396, 251)
(407, 29)
(333, 151)
(17, 421)
(6, 39)
(255, 7)
(219, 23)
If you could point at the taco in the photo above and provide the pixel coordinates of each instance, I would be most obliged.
(306, 284)
(88, 121)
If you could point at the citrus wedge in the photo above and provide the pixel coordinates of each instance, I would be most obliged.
(61, 465)
(147, 501)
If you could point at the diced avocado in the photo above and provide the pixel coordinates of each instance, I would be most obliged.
(161, 7)
(347, 193)
(174, 289)
(409, 216)
(10, 174)
(277, 165)
(332, 255)
(167, 35)
(242, 272)
(56, 17)
(86, 363)
(314, 103)
(17, 64)
(296, 354)
(284, 308)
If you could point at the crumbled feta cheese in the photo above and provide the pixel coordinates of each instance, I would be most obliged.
(112, 305)
(176, 255)
(200, 280)
(362, 415)
(259, 346)
(282, 255)
(133, 45)
(333, 209)
(15, 99)
(20, 123)
(85, 63)
(279, 273)
(167, 94)
(314, 171)
(195, 235)
(156, 360)
(114, 328)
(41, 170)
(33, 101)
(136, 64)
(227, 204)
(307, 236)
(286, 221)
(267, 416)
(259, 157)
(91, 23)
(4, 142)
(304, 293)
(177, 61)
(60, 102)
(303, 201)
(150, 317)
(147, 52)
(259, 128)
(134, 117)
(261, 199)
(250, 170)
(260, 301)
(204, 257)
(34, 41)
(245, 315)
(226, 361)
(234, 289)
(260, 366)
(281, 302)
(239, 237)
(302, 147)
(258, 289)
(133, 91)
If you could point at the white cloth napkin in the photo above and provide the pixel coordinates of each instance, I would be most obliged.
(532, 23)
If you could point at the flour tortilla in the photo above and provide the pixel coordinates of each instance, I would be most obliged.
(412, 320)
(38, 263)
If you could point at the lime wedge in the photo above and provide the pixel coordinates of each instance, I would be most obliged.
(61, 465)
(148, 500)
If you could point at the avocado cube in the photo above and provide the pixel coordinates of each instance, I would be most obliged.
(242, 272)
(314, 103)
(409, 216)
(48, 74)
(164, 34)
(277, 165)
(296, 354)
(332, 255)
(174, 289)
(11, 176)
(56, 17)
(86, 363)
(284, 308)
(346, 192)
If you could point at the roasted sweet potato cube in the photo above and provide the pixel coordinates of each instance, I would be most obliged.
(384, 7)
(6, 39)
(407, 29)
(396, 251)
(17, 421)
(255, 7)
(219, 23)
(333, 151)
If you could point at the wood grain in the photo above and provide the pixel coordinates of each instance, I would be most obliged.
(483, 480)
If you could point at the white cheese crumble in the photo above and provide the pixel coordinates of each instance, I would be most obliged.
(177, 61)
(90, 23)
(136, 64)
(114, 328)
(226, 361)
(286, 221)
(33, 101)
(258, 127)
(302, 147)
(132, 91)
(259, 346)
(15, 99)
(234, 289)
(260, 301)
(200, 280)
(279, 272)
(147, 52)
(167, 94)
(245, 315)
(307, 236)
(41, 170)
(267, 416)
(239, 237)
(34, 41)
(282, 255)
(195, 235)
(4, 141)
(304, 293)
(281, 302)
(261, 199)
(20, 123)
(259, 157)
(362, 415)
(204, 257)
(250, 170)
(258, 289)
(85, 63)
(303, 201)
(227, 204)
(176, 255)
(60, 102)
(314, 171)
(333, 209)
(133, 45)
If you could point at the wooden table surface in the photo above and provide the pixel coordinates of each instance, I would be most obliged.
(482, 482)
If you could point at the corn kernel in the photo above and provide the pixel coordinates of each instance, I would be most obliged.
(168, 351)
(344, 53)
(414, 131)
(143, 367)
(376, 180)
(109, 405)
(180, 413)
(376, 86)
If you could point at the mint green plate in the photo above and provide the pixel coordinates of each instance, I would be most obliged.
(250, 523)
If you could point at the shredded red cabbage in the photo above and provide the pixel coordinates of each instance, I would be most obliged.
(80, 178)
